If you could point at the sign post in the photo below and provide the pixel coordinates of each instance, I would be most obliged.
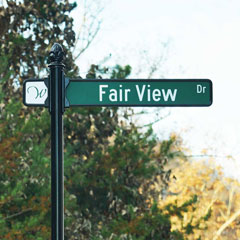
(56, 108)
(57, 93)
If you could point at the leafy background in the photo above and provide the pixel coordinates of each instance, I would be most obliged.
(121, 181)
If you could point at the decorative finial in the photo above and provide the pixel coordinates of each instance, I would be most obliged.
(56, 53)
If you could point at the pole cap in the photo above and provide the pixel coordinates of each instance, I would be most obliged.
(56, 53)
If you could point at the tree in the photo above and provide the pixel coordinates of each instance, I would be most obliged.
(28, 29)
(217, 198)
(109, 163)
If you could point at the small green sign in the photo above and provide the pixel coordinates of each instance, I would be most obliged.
(159, 92)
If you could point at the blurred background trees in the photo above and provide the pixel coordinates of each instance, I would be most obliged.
(116, 173)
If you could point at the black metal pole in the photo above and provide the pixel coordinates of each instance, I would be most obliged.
(56, 98)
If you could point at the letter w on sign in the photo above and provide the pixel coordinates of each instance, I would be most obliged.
(35, 92)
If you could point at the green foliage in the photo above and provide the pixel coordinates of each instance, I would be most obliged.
(121, 72)
(113, 176)
(188, 206)
(117, 72)
(151, 224)
(28, 29)
(178, 210)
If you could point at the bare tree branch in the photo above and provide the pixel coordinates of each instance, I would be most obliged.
(89, 27)
(18, 214)
(226, 224)
(231, 194)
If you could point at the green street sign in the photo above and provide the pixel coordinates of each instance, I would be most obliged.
(141, 92)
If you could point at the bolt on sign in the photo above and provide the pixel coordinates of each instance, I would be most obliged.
(56, 92)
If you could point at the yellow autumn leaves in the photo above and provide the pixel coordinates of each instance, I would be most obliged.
(215, 193)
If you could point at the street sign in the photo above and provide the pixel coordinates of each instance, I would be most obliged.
(141, 92)
(131, 92)
(35, 92)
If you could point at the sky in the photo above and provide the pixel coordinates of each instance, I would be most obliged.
(193, 39)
